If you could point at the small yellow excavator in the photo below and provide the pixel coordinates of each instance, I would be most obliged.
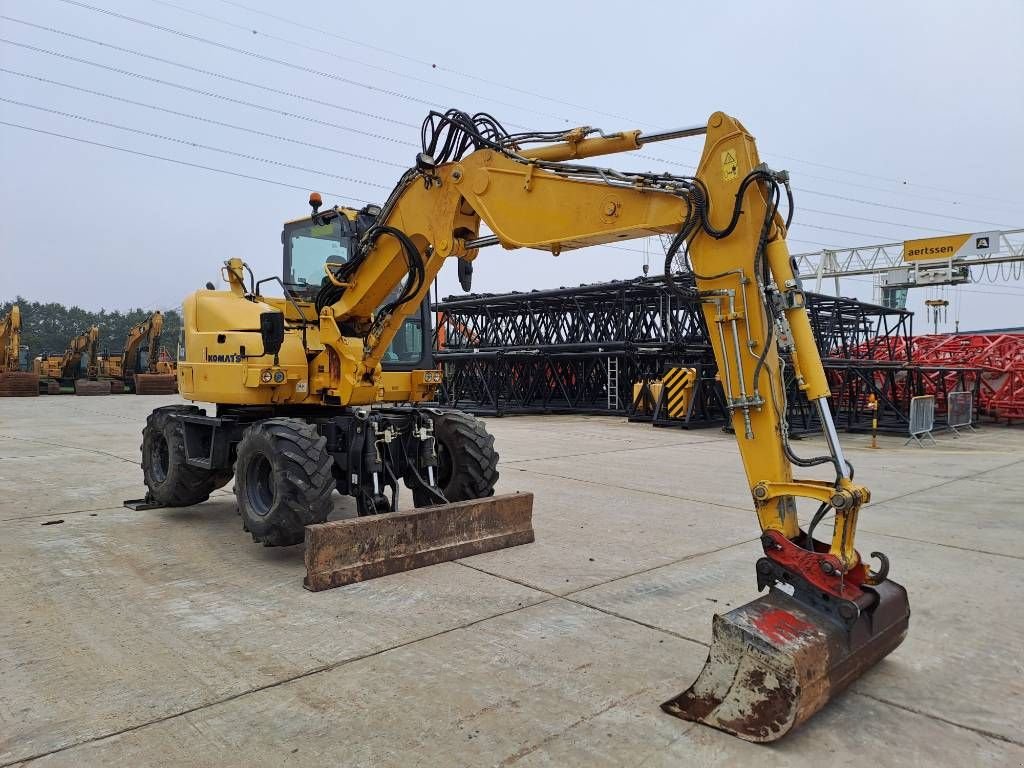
(138, 367)
(329, 384)
(75, 371)
(15, 381)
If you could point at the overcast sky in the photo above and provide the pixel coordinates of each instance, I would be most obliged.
(895, 119)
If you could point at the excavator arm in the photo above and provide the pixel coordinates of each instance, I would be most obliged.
(827, 617)
(145, 335)
(10, 340)
(83, 344)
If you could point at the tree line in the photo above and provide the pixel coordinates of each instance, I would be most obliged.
(48, 327)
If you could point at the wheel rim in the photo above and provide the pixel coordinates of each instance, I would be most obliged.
(259, 485)
(161, 459)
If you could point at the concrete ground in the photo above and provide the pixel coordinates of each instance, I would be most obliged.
(169, 638)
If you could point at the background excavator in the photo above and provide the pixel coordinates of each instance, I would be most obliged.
(15, 381)
(328, 386)
(75, 370)
(138, 367)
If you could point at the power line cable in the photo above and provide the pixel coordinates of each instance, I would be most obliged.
(965, 290)
(903, 193)
(898, 208)
(366, 114)
(200, 118)
(252, 54)
(844, 183)
(73, 2)
(209, 73)
(887, 178)
(804, 209)
(338, 195)
(424, 62)
(194, 144)
(211, 94)
(349, 59)
(435, 65)
(207, 93)
(841, 231)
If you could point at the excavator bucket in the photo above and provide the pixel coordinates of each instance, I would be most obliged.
(776, 661)
(343, 552)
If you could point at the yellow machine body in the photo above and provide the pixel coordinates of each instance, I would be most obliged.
(223, 361)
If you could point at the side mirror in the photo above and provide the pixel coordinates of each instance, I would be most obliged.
(272, 331)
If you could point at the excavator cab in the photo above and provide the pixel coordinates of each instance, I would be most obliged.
(310, 245)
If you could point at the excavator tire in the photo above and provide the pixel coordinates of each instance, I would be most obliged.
(467, 462)
(19, 384)
(90, 388)
(156, 384)
(283, 480)
(170, 479)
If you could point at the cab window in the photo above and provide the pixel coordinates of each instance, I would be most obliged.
(310, 246)
(407, 346)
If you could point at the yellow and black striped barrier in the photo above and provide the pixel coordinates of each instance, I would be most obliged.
(677, 391)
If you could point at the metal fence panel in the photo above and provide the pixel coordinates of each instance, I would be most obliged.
(960, 411)
(922, 418)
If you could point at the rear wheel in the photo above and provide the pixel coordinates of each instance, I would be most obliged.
(467, 464)
(170, 479)
(283, 480)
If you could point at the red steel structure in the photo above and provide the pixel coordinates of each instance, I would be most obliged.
(999, 358)
(991, 364)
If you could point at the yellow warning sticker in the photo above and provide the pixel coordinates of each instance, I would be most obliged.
(730, 167)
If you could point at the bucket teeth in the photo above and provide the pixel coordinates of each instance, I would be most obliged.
(774, 662)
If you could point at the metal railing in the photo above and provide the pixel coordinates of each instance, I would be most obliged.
(922, 418)
(960, 411)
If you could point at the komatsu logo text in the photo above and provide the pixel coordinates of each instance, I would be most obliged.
(223, 358)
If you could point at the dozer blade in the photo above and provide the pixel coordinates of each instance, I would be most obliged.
(776, 661)
(346, 551)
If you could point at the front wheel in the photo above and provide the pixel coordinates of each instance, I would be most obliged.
(171, 480)
(283, 480)
(467, 464)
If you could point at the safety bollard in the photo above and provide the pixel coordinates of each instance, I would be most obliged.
(873, 407)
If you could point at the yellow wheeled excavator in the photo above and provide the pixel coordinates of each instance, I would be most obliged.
(138, 368)
(75, 370)
(15, 381)
(329, 384)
